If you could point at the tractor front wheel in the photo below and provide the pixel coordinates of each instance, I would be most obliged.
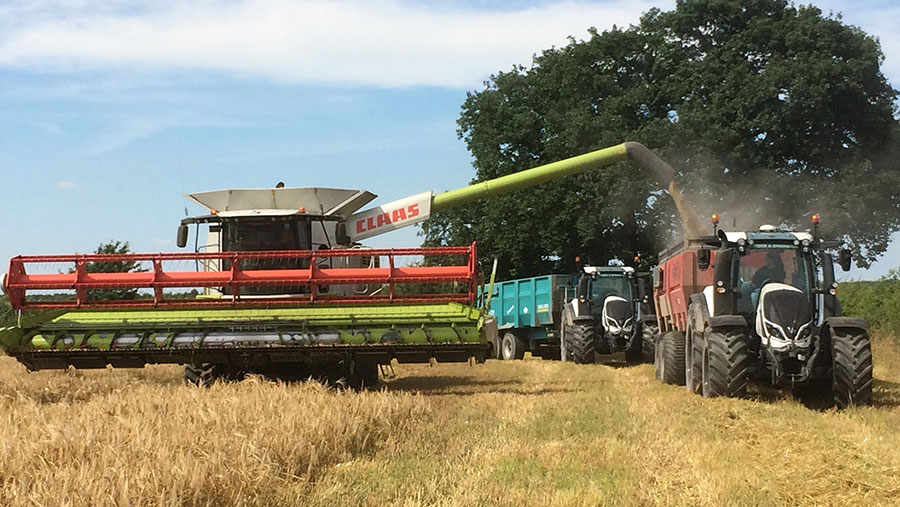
(634, 354)
(726, 364)
(851, 352)
(581, 342)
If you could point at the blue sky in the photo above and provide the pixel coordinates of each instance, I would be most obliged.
(109, 113)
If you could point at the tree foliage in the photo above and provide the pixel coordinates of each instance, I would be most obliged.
(113, 247)
(769, 112)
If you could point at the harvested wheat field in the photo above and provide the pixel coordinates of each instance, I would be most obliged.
(512, 433)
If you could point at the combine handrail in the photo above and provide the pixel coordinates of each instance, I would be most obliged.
(18, 281)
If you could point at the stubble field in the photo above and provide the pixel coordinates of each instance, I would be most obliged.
(510, 433)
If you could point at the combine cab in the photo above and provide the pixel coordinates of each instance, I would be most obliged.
(759, 305)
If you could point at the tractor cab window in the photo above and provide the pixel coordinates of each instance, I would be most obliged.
(760, 266)
(604, 286)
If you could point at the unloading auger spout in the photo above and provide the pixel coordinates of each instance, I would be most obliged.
(414, 209)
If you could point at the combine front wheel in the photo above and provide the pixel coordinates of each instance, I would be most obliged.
(852, 377)
(364, 376)
(204, 375)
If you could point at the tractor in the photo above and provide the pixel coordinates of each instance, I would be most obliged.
(608, 313)
(760, 305)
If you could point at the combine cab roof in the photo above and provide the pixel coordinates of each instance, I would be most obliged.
(280, 201)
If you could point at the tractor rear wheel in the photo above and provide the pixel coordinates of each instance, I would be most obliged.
(581, 342)
(511, 347)
(726, 364)
(669, 360)
(648, 341)
(852, 371)
(206, 374)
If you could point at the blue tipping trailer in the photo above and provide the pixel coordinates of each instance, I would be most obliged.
(528, 313)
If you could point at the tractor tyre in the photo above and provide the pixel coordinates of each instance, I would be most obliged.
(206, 374)
(511, 347)
(726, 364)
(648, 341)
(669, 360)
(634, 354)
(693, 372)
(581, 342)
(851, 352)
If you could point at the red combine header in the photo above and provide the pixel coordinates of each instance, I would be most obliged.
(304, 272)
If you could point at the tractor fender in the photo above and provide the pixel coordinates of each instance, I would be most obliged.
(727, 321)
(846, 323)
(700, 315)
(569, 318)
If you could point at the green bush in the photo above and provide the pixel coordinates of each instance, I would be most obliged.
(878, 302)
(7, 315)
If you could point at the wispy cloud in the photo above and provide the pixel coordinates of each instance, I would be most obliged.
(65, 185)
(388, 43)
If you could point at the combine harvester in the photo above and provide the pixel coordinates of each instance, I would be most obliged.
(287, 289)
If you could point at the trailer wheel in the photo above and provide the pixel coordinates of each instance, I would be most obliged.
(726, 364)
(669, 360)
(207, 374)
(512, 347)
(634, 354)
(648, 341)
(581, 342)
(852, 372)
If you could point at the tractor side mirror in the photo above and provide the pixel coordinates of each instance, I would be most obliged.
(182, 235)
(703, 259)
(340, 234)
(844, 259)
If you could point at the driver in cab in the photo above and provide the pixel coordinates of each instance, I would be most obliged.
(773, 270)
